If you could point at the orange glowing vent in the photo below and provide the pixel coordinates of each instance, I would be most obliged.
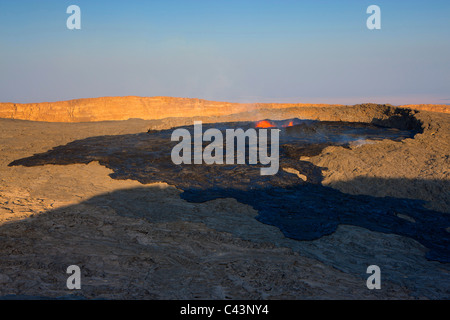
(264, 124)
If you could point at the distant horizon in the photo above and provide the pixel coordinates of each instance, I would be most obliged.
(267, 101)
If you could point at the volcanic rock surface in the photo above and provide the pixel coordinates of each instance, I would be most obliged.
(136, 236)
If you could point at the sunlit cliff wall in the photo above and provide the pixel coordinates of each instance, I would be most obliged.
(147, 108)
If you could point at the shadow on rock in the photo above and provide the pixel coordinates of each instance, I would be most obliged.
(301, 208)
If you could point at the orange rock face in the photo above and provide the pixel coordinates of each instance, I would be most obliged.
(429, 107)
(147, 108)
(124, 108)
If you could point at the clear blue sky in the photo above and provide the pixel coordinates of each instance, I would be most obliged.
(242, 51)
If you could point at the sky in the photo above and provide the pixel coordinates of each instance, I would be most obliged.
(312, 51)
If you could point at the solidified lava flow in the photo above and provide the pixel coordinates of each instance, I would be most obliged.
(302, 210)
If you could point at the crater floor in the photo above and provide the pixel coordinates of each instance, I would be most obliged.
(103, 196)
